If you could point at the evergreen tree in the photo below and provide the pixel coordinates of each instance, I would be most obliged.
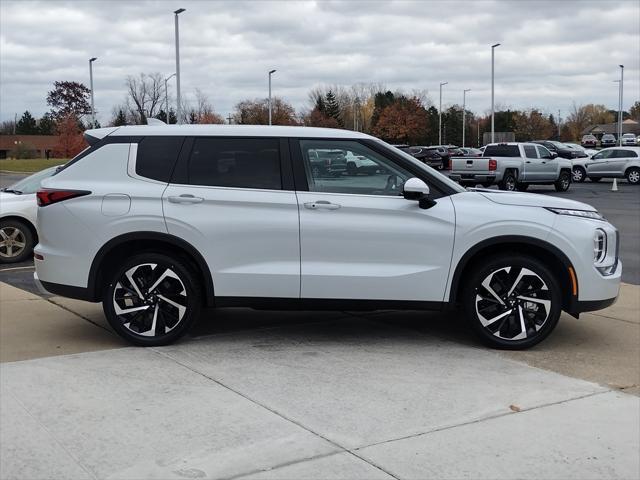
(162, 116)
(47, 125)
(332, 109)
(320, 105)
(120, 119)
(172, 116)
(27, 125)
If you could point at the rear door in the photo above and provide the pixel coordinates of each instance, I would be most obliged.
(360, 239)
(233, 201)
(548, 168)
(619, 159)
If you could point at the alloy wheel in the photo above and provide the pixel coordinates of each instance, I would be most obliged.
(633, 176)
(578, 175)
(150, 299)
(12, 242)
(513, 303)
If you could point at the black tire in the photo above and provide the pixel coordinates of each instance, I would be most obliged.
(539, 317)
(595, 179)
(162, 303)
(522, 187)
(508, 182)
(564, 181)
(633, 175)
(579, 174)
(16, 241)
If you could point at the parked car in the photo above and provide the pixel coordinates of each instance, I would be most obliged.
(18, 209)
(331, 163)
(470, 152)
(629, 140)
(589, 141)
(608, 140)
(426, 155)
(558, 148)
(357, 164)
(616, 162)
(160, 221)
(588, 152)
(513, 166)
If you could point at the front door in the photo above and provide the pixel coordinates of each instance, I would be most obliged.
(533, 165)
(228, 200)
(360, 239)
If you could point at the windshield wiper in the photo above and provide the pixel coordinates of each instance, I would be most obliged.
(11, 190)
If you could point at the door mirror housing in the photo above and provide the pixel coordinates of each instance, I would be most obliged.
(554, 155)
(416, 189)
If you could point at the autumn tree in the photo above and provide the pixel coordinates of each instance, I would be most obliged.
(69, 98)
(27, 124)
(256, 112)
(70, 141)
(317, 118)
(403, 121)
(584, 116)
(532, 125)
(634, 111)
(203, 111)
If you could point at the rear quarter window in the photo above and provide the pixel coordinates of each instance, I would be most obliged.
(502, 151)
(157, 157)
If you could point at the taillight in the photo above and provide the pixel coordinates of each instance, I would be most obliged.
(493, 164)
(49, 196)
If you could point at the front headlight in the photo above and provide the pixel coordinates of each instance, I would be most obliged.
(593, 215)
(605, 251)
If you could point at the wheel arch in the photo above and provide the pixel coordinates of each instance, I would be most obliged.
(124, 246)
(544, 251)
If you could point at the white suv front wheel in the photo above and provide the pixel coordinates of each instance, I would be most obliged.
(512, 301)
(152, 300)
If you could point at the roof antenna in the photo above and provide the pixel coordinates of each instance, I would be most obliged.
(155, 121)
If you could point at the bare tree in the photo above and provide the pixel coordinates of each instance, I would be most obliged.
(145, 95)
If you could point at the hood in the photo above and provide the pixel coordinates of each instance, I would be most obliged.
(533, 200)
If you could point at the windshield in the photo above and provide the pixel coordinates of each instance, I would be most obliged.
(32, 183)
(430, 171)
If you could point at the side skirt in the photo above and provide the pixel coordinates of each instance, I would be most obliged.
(264, 303)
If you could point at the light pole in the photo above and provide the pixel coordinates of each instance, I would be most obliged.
(178, 107)
(620, 105)
(559, 123)
(464, 112)
(93, 110)
(493, 56)
(166, 95)
(440, 115)
(271, 72)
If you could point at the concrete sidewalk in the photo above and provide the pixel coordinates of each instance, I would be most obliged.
(313, 395)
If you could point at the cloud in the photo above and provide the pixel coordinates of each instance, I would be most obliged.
(552, 54)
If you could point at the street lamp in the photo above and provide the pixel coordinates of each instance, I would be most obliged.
(440, 115)
(166, 96)
(464, 112)
(178, 108)
(620, 104)
(271, 72)
(493, 133)
(93, 110)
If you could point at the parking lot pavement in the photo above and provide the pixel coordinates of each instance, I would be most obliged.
(315, 395)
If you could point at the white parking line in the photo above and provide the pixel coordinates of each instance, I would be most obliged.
(14, 268)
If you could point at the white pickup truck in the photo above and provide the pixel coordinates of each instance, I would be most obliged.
(513, 166)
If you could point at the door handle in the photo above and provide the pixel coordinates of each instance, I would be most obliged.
(186, 198)
(321, 204)
(528, 161)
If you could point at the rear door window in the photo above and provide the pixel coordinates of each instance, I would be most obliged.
(235, 162)
(530, 151)
(157, 157)
(625, 154)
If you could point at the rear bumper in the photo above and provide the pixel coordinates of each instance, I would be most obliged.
(69, 291)
(472, 177)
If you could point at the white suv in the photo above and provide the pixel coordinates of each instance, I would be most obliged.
(158, 221)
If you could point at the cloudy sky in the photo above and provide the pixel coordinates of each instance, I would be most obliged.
(553, 53)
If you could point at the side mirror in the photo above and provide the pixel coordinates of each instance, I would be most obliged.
(554, 155)
(416, 189)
